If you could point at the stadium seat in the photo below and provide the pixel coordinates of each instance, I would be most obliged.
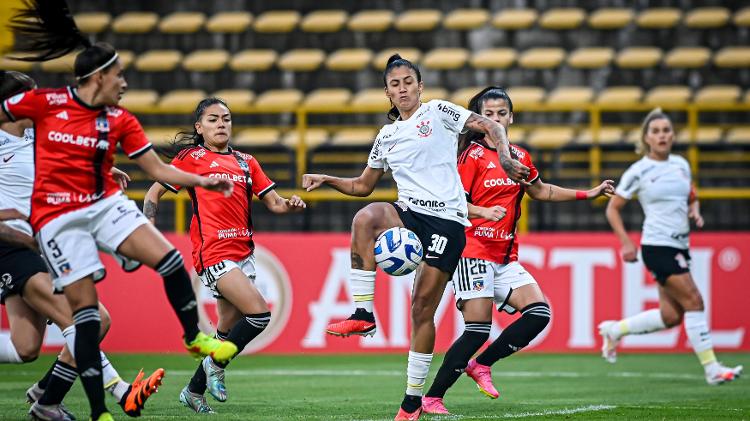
(517, 134)
(550, 137)
(659, 18)
(327, 98)
(180, 101)
(139, 100)
(466, 19)
(562, 18)
(381, 58)
(615, 95)
(62, 64)
(541, 58)
(253, 60)
(354, 136)
(126, 58)
(428, 94)
(158, 61)
(257, 136)
(742, 17)
(372, 99)
(718, 94)
(279, 100)
(92, 22)
(229, 22)
(667, 95)
(418, 20)
(525, 97)
(746, 98)
(277, 21)
(205, 61)
(514, 19)
(349, 59)
(739, 135)
(638, 57)
(161, 135)
(493, 58)
(687, 57)
(17, 65)
(570, 96)
(238, 100)
(732, 57)
(445, 58)
(182, 23)
(371, 21)
(607, 135)
(314, 137)
(704, 135)
(591, 57)
(324, 21)
(462, 96)
(610, 18)
(633, 136)
(301, 60)
(707, 17)
(135, 22)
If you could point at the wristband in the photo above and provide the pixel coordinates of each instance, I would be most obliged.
(581, 195)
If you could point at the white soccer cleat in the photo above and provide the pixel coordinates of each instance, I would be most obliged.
(719, 374)
(609, 342)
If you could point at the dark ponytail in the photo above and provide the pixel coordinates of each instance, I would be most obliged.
(13, 83)
(393, 62)
(189, 139)
(475, 105)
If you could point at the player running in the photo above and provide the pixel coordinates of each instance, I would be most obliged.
(419, 147)
(221, 231)
(668, 205)
(489, 273)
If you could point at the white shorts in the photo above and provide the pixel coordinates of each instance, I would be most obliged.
(211, 275)
(70, 242)
(478, 278)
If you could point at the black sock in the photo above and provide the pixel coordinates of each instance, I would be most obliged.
(61, 379)
(458, 357)
(534, 319)
(180, 292)
(222, 335)
(362, 314)
(411, 403)
(198, 382)
(88, 359)
(245, 330)
(44, 381)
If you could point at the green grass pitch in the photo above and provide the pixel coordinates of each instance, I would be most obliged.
(370, 387)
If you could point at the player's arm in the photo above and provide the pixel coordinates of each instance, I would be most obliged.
(8, 214)
(694, 208)
(497, 137)
(492, 213)
(121, 177)
(614, 217)
(277, 204)
(547, 192)
(151, 201)
(360, 186)
(13, 236)
(159, 171)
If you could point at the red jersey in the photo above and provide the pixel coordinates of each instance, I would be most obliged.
(74, 149)
(486, 184)
(222, 228)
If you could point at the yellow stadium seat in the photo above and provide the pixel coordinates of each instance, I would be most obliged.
(742, 17)
(182, 23)
(354, 136)
(687, 57)
(550, 137)
(372, 99)
(541, 58)
(371, 21)
(158, 61)
(238, 100)
(279, 100)
(659, 18)
(126, 58)
(62, 64)
(732, 57)
(229, 22)
(277, 21)
(562, 18)
(205, 60)
(610, 18)
(92, 22)
(591, 57)
(381, 58)
(525, 97)
(445, 58)
(327, 98)
(428, 94)
(466, 19)
(416, 20)
(704, 135)
(139, 101)
(135, 22)
(514, 19)
(493, 58)
(349, 59)
(707, 17)
(607, 136)
(253, 60)
(746, 98)
(575, 96)
(314, 137)
(301, 60)
(324, 21)
(668, 95)
(463, 96)
(161, 135)
(516, 134)
(615, 95)
(17, 65)
(633, 137)
(739, 135)
(180, 101)
(257, 136)
(638, 57)
(718, 94)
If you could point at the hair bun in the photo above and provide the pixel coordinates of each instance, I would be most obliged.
(393, 58)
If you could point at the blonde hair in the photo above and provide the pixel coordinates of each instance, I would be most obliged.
(642, 147)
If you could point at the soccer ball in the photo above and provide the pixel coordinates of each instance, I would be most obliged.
(398, 251)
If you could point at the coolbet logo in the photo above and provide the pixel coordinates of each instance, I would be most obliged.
(424, 128)
(494, 182)
(450, 111)
(57, 99)
(231, 177)
(71, 139)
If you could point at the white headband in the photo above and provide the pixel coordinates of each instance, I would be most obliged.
(103, 66)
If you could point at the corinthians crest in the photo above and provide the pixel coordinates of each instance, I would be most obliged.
(424, 129)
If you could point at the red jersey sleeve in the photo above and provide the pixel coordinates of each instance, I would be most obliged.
(30, 104)
(525, 157)
(180, 163)
(133, 139)
(261, 183)
(467, 169)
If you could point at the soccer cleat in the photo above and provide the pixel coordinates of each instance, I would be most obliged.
(34, 393)
(482, 374)
(408, 416)
(214, 379)
(105, 416)
(195, 402)
(204, 345)
(434, 406)
(48, 413)
(609, 343)
(361, 323)
(140, 390)
(721, 374)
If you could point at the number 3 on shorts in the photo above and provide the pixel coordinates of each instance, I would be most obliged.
(438, 244)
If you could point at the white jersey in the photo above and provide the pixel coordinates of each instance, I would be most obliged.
(663, 188)
(421, 153)
(17, 175)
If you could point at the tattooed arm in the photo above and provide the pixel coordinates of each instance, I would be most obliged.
(496, 136)
(151, 201)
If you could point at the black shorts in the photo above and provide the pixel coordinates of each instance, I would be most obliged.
(17, 265)
(664, 261)
(442, 240)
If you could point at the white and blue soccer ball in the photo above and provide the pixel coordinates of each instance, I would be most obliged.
(398, 251)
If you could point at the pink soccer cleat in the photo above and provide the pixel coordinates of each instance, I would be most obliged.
(434, 406)
(407, 416)
(482, 374)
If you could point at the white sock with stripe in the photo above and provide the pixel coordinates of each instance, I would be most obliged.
(363, 288)
(416, 372)
(699, 336)
(644, 322)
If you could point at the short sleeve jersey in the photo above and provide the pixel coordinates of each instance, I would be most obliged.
(73, 159)
(421, 153)
(221, 228)
(17, 175)
(663, 189)
(486, 184)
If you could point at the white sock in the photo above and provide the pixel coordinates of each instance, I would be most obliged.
(645, 322)
(416, 372)
(363, 288)
(700, 337)
(109, 375)
(8, 353)
(69, 334)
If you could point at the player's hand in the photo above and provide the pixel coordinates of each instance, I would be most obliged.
(696, 216)
(607, 188)
(218, 184)
(295, 203)
(515, 170)
(31, 243)
(311, 182)
(629, 252)
(10, 213)
(494, 213)
(121, 177)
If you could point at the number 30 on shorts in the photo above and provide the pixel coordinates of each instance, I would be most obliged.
(438, 244)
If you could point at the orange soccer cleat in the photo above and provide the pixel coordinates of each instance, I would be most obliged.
(135, 400)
